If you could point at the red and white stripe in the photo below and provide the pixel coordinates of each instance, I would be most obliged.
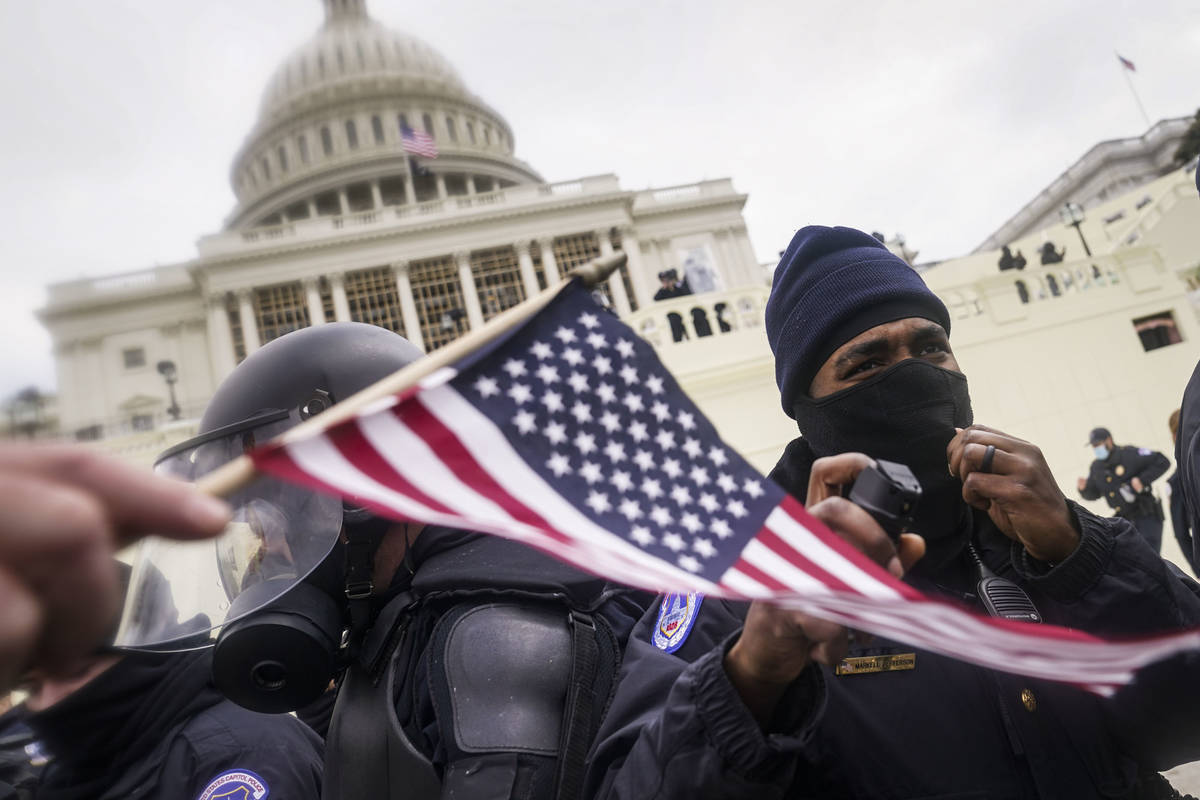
(433, 457)
(419, 143)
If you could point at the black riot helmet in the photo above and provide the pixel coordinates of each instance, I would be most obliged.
(275, 581)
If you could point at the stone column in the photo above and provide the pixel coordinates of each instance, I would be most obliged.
(408, 305)
(220, 338)
(249, 321)
(440, 179)
(312, 294)
(341, 306)
(470, 184)
(312, 208)
(343, 201)
(410, 190)
(376, 195)
(525, 262)
(638, 275)
(470, 293)
(549, 265)
(615, 285)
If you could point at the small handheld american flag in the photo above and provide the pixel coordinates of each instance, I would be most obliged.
(568, 434)
(418, 142)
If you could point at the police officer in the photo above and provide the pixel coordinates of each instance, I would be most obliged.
(153, 726)
(469, 666)
(1122, 476)
(735, 700)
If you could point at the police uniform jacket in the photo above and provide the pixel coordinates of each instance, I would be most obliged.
(153, 727)
(942, 729)
(1124, 463)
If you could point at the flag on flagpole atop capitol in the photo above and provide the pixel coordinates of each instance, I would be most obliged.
(1126, 63)
(568, 434)
(418, 142)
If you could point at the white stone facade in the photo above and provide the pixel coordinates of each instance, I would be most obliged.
(1107, 171)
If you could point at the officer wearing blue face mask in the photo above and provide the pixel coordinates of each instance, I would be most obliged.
(1122, 475)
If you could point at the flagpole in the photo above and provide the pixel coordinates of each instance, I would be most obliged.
(228, 478)
(1125, 70)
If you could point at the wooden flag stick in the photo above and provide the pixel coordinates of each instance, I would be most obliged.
(228, 478)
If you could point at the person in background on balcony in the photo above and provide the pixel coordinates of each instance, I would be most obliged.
(751, 702)
(1050, 255)
(1122, 476)
(673, 287)
(1180, 524)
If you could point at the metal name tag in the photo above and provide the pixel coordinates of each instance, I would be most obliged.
(861, 665)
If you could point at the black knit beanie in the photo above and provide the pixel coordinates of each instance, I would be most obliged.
(831, 285)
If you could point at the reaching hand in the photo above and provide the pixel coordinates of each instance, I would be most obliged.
(64, 512)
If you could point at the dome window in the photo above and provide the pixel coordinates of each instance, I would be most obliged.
(487, 135)
(379, 51)
(341, 59)
(471, 132)
(427, 123)
(377, 129)
(351, 134)
(451, 130)
(326, 141)
(302, 145)
(403, 122)
(362, 57)
(321, 64)
(283, 162)
(266, 167)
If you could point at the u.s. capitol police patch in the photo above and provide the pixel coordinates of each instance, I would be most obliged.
(1144, 451)
(236, 784)
(676, 617)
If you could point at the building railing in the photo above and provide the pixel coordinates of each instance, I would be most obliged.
(667, 195)
(88, 289)
(1006, 291)
(693, 318)
(521, 194)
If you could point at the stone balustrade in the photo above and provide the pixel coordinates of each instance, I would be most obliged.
(691, 319)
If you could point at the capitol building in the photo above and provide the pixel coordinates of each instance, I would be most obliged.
(337, 219)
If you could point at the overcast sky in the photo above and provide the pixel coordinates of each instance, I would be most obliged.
(935, 119)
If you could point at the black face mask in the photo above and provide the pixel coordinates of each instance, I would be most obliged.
(907, 413)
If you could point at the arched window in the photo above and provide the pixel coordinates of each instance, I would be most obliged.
(451, 130)
(266, 167)
(321, 64)
(326, 141)
(487, 134)
(403, 121)
(351, 134)
(427, 123)
(471, 132)
(341, 59)
(282, 153)
(362, 57)
(302, 145)
(377, 129)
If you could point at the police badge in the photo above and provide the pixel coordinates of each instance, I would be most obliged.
(676, 617)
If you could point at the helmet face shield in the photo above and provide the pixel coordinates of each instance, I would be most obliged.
(180, 592)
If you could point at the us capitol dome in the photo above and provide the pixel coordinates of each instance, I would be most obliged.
(330, 119)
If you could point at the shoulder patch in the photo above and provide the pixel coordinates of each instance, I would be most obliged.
(236, 784)
(1144, 451)
(676, 617)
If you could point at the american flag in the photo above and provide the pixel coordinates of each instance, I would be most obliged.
(1126, 63)
(418, 142)
(569, 435)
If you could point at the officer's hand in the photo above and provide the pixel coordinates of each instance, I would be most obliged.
(1137, 484)
(777, 644)
(64, 511)
(1019, 492)
(1081, 483)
